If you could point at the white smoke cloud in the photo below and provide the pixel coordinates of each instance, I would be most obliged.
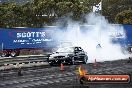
(96, 32)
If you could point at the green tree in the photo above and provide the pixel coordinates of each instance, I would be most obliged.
(7, 16)
(110, 8)
(28, 16)
(38, 12)
(11, 15)
(124, 17)
(43, 11)
(53, 9)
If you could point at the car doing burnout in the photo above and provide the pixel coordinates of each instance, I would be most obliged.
(70, 55)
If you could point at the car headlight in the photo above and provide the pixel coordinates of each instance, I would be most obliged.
(66, 56)
(51, 57)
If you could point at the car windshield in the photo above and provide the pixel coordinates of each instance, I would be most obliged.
(66, 49)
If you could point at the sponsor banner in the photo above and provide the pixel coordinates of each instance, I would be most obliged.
(108, 78)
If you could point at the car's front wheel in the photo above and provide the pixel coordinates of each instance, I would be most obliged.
(85, 60)
(50, 62)
(73, 61)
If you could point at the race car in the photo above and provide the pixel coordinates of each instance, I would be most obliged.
(70, 55)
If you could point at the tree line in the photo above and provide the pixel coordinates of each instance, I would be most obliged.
(38, 13)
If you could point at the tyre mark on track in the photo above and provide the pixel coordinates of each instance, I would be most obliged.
(49, 79)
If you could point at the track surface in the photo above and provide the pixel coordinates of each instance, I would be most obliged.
(52, 77)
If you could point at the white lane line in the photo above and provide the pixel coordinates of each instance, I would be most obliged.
(36, 83)
(43, 78)
(70, 73)
(35, 79)
(69, 79)
(16, 86)
(49, 81)
(39, 83)
(53, 75)
(31, 80)
(23, 80)
(50, 77)
(10, 83)
(40, 78)
(28, 85)
(23, 86)
(64, 80)
(3, 84)
(16, 82)
(44, 83)
(59, 75)
(56, 81)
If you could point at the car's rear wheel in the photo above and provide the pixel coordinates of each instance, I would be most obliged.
(50, 63)
(54, 62)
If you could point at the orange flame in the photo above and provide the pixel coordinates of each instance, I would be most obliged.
(82, 72)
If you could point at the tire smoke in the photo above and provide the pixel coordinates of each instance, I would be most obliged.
(94, 37)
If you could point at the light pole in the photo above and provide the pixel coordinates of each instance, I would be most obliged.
(1, 49)
(2, 45)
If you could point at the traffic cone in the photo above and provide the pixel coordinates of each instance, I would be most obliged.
(129, 60)
(20, 72)
(62, 67)
(95, 64)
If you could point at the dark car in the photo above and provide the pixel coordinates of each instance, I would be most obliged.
(70, 55)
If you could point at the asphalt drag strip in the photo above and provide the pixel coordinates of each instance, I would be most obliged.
(53, 77)
(37, 77)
